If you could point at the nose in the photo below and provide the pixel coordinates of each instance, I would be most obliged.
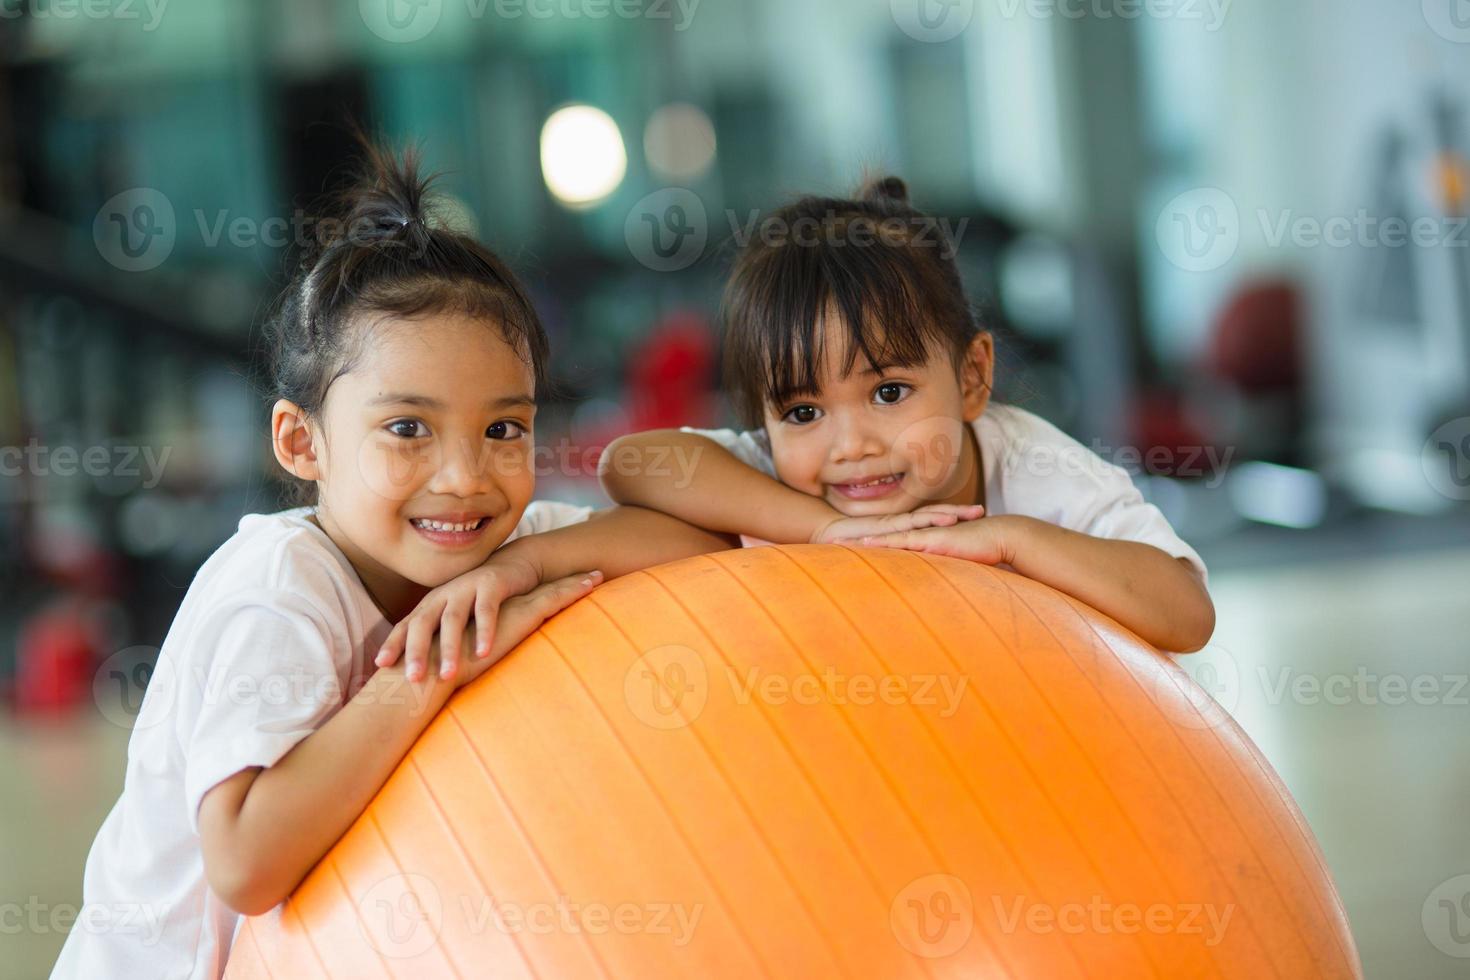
(854, 438)
(466, 469)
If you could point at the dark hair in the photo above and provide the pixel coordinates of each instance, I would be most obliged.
(379, 249)
(887, 268)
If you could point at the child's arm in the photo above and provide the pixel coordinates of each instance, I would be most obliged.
(615, 542)
(700, 481)
(262, 830)
(1157, 596)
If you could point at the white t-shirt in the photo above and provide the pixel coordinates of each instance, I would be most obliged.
(275, 634)
(1034, 469)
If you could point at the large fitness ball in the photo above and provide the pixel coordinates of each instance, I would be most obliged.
(821, 762)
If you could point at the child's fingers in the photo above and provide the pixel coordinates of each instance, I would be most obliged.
(914, 540)
(416, 651)
(391, 647)
(451, 629)
(547, 600)
(913, 520)
(487, 608)
(521, 615)
(960, 512)
(488, 600)
(889, 540)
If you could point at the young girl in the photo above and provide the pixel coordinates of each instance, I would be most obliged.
(407, 359)
(856, 364)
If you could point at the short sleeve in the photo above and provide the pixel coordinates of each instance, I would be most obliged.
(1045, 473)
(1119, 512)
(752, 447)
(548, 515)
(267, 677)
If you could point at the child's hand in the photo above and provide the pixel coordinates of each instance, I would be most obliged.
(521, 616)
(849, 530)
(991, 541)
(449, 608)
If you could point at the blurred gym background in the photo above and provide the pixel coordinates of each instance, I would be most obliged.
(1224, 243)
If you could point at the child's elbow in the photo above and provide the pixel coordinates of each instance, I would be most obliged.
(1196, 625)
(622, 457)
(253, 902)
(240, 888)
(629, 460)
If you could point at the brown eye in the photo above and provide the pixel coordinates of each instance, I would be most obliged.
(891, 392)
(802, 414)
(407, 428)
(504, 430)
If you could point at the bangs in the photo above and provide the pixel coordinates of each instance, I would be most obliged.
(888, 298)
(500, 305)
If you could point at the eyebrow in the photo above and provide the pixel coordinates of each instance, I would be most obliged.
(887, 366)
(797, 391)
(424, 401)
(800, 391)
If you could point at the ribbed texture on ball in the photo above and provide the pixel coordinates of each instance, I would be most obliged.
(821, 762)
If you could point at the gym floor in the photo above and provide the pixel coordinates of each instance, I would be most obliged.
(1349, 674)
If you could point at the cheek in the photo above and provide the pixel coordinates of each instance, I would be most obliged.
(798, 461)
(392, 470)
(933, 442)
(515, 471)
(929, 447)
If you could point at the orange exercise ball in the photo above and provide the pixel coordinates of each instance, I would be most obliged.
(818, 761)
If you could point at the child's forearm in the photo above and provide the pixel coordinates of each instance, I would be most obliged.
(699, 481)
(615, 542)
(1157, 596)
(262, 830)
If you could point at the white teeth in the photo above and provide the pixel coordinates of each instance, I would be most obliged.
(428, 525)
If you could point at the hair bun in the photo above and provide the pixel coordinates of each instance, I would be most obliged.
(388, 204)
(887, 188)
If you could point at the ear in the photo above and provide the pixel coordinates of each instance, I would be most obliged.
(977, 370)
(291, 438)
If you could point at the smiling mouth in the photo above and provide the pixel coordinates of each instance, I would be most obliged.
(426, 524)
(878, 487)
(453, 535)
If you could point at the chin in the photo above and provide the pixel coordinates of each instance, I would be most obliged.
(870, 508)
(432, 572)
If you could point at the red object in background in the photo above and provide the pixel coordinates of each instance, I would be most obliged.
(55, 658)
(669, 383)
(1256, 342)
(1168, 441)
(670, 375)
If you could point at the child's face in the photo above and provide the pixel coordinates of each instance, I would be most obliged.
(886, 441)
(432, 424)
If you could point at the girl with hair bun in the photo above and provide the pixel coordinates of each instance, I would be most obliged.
(862, 379)
(406, 363)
